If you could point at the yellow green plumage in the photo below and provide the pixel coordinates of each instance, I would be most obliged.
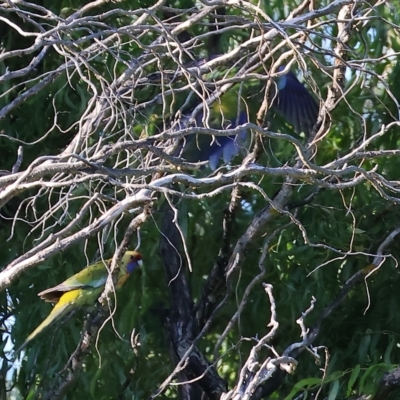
(83, 289)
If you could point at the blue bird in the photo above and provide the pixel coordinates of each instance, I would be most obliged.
(205, 147)
(293, 101)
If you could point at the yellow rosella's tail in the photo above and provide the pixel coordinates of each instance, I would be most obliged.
(64, 305)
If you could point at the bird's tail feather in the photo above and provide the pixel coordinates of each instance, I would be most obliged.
(58, 311)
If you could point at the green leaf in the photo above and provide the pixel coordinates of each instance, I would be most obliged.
(304, 384)
(353, 378)
(334, 390)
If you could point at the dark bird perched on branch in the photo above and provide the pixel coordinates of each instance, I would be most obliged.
(292, 100)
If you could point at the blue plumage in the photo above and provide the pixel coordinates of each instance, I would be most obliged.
(294, 102)
(227, 146)
(205, 147)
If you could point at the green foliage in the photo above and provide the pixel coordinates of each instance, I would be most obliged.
(322, 236)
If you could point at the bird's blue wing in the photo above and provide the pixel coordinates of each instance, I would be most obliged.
(294, 102)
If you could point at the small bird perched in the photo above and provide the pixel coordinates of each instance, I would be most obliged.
(83, 289)
(292, 100)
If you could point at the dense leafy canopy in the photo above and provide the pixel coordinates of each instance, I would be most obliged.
(275, 275)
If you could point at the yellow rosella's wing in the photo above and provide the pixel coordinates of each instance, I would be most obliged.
(93, 276)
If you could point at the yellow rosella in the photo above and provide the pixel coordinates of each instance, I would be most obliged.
(83, 289)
